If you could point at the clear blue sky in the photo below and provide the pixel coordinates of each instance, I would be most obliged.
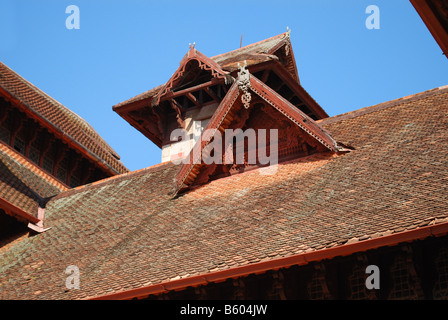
(126, 47)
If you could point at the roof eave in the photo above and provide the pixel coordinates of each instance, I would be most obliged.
(18, 213)
(284, 262)
(59, 133)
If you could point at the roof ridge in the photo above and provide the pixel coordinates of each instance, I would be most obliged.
(383, 105)
(249, 45)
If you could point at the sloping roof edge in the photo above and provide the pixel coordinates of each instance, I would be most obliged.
(118, 167)
(384, 105)
(298, 259)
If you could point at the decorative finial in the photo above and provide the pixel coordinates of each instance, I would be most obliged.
(243, 82)
(288, 32)
(192, 46)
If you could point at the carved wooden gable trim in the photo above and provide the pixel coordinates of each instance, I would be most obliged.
(225, 115)
(204, 62)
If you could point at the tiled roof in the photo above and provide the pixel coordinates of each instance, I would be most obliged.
(128, 231)
(61, 118)
(24, 184)
(253, 53)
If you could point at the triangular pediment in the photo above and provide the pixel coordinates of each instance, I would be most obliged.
(258, 113)
(195, 68)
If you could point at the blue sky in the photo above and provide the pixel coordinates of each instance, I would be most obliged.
(126, 47)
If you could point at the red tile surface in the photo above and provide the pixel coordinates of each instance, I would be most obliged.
(24, 184)
(63, 120)
(128, 231)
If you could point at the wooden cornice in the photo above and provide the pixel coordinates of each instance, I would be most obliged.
(433, 24)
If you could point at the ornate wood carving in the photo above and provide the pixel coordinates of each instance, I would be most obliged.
(204, 63)
(243, 82)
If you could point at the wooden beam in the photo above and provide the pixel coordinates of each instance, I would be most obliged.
(265, 75)
(198, 87)
(432, 23)
(298, 89)
(62, 150)
(290, 96)
(73, 167)
(4, 113)
(34, 132)
(212, 95)
(179, 112)
(46, 147)
(17, 126)
(193, 99)
(87, 175)
(45, 123)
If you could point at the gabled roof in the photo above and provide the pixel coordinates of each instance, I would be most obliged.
(58, 119)
(259, 52)
(204, 62)
(127, 232)
(187, 173)
(254, 53)
(271, 59)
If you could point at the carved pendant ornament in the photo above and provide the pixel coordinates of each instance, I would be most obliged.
(243, 82)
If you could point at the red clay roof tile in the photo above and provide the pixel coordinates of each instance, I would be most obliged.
(24, 184)
(62, 119)
(128, 231)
